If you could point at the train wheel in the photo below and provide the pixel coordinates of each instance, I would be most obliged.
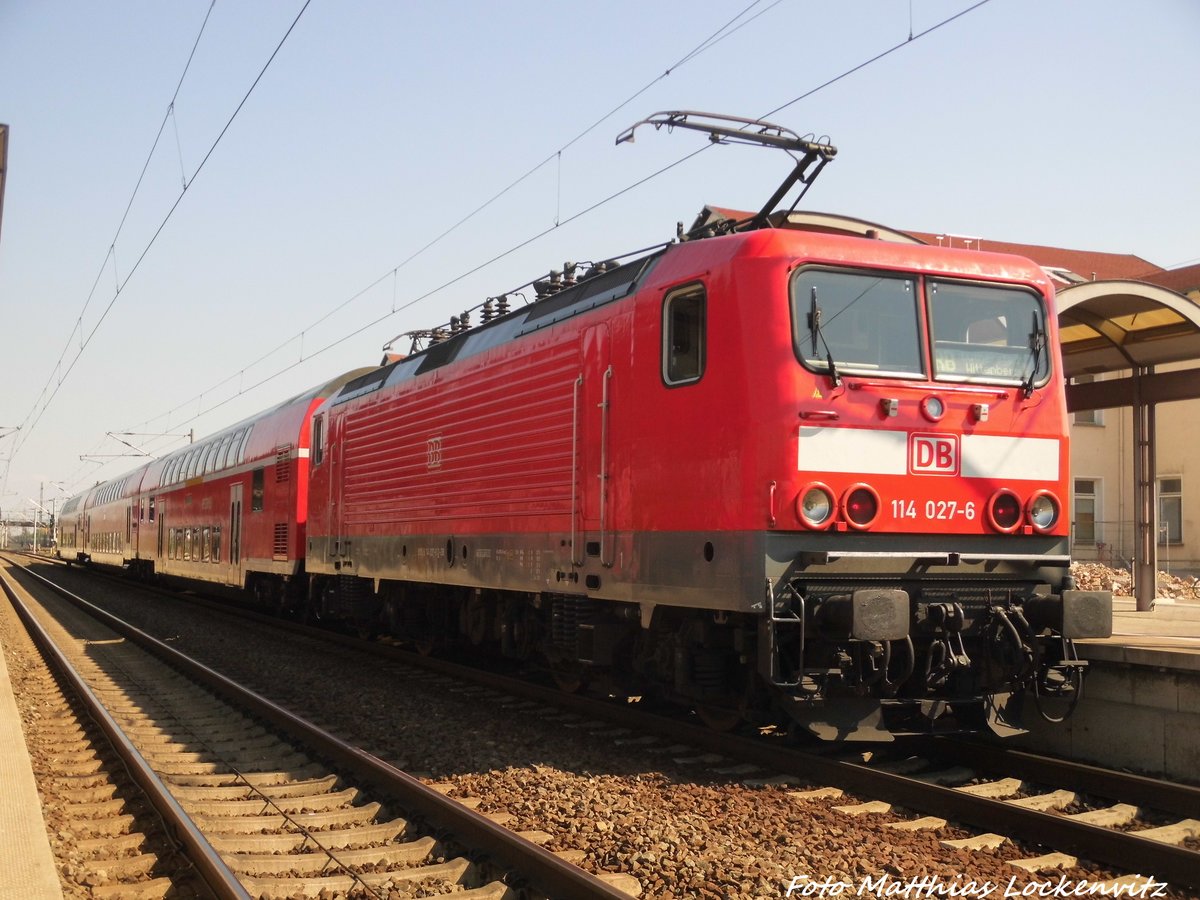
(719, 718)
(569, 676)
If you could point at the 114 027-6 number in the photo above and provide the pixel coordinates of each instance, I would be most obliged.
(933, 509)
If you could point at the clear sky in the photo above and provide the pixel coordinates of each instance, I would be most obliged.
(380, 125)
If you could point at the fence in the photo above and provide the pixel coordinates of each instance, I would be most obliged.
(1115, 545)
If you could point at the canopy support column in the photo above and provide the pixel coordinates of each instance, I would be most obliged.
(1145, 561)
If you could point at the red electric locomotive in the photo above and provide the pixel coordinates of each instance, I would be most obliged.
(772, 471)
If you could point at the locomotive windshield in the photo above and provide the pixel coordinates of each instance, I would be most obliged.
(869, 324)
(987, 333)
(860, 323)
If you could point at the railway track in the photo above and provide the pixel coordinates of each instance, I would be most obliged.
(107, 840)
(1122, 821)
(265, 804)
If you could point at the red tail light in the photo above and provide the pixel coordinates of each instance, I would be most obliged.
(860, 506)
(1004, 511)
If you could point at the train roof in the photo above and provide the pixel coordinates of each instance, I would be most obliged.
(588, 294)
(845, 239)
(290, 414)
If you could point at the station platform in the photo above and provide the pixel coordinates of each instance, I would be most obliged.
(1167, 636)
(1141, 701)
(25, 857)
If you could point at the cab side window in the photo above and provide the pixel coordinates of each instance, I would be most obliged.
(318, 440)
(684, 335)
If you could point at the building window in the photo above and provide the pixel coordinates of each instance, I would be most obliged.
(1084, 526)
(1170, 510)
(683, 336)
(1087, 416)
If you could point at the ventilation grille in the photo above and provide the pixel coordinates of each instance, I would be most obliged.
(281, 540)
(283, 471)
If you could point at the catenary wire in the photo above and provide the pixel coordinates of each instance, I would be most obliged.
(712, 40)
(111, 253)
(527, 241)
(874, 59)
(33, 419)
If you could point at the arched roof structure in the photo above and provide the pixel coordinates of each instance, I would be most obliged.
(1108, 326)
(1132, 326)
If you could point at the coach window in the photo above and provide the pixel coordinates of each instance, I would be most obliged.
(684, 336)
(318, 440)
(243, 440)
(256, 491)
(223, 461)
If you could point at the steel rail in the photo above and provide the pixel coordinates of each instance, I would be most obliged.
(1111, 784)
(223, 883)
(546, 873)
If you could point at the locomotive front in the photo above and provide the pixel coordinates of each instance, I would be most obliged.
(918, 558)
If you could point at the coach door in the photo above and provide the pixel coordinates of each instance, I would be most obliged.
(336, 545)
(162, 528)
(235, 534)
(593, 402)
(131, 523)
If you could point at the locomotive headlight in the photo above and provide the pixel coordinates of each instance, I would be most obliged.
(1042, 511)
(860, 506)
(815, 506)
(933, 408)
(1004, 511)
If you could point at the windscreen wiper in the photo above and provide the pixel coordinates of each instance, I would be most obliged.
(1037, 343)
(814, 329)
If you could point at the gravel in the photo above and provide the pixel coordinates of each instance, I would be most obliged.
(682, 830)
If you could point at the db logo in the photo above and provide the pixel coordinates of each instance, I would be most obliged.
(433, 452)
(933, 454)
